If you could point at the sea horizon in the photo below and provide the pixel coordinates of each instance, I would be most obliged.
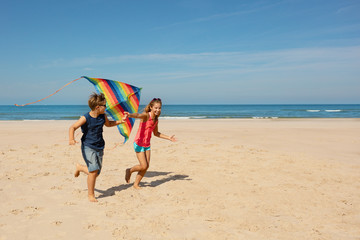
(54, 104)
(192, 111)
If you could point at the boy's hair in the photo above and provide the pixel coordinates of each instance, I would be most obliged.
(151, 104)
(96, 100)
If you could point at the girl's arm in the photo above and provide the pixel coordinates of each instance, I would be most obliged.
(73, 128)
(163, 136)
(113, 123)
(142, 116)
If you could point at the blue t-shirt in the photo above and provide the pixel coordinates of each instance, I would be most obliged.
(92, 132)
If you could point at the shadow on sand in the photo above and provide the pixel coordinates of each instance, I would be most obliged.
(111, 191)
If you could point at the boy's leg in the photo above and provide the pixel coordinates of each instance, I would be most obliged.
(93, 159)
(91, 179)
(145, 160)
(81, 168)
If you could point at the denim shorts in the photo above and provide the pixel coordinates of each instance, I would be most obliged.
(140, 148)
(93, 158)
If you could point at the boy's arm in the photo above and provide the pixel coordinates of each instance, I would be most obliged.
(73, 128)
(113, 123)
(163, 136)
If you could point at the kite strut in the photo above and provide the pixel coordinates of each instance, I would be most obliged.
(47, 96)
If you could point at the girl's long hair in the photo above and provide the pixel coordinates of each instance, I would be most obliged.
(151, 104)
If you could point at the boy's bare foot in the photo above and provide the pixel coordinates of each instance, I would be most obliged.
(127, 175)
(92, 198)
(137, 186)
(77, 171)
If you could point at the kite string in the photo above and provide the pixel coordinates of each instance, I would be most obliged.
(22, 105)
(116, 145)
(47, 96)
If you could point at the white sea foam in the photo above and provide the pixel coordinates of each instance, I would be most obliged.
(333, 110)
(174, 117)
(265, 117)
(198, 117)
(188, 117)
(36, 120)
(313, 110)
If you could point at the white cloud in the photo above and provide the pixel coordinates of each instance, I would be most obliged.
(195, 64)
(349, 8)
(245, 11)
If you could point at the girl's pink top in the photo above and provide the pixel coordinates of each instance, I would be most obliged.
(143, 135)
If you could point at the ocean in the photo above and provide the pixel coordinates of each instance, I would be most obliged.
(73, 112)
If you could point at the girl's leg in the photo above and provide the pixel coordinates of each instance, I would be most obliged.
(145, 157)
(80, 168)
(142, 165)
(91, 179)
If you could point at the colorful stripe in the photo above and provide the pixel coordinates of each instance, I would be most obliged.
(120, 97)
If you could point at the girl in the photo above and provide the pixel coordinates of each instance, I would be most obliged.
(148, 124)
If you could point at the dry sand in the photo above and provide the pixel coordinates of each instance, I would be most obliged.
(223, 179)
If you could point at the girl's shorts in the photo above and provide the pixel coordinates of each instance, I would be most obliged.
(140, 148)
(93, 158)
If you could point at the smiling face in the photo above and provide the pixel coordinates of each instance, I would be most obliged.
(156, 109)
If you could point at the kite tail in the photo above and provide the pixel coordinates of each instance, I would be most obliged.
(47, 96)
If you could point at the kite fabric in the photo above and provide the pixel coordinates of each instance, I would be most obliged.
(120, 97)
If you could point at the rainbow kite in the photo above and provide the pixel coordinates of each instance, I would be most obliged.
(120, 97)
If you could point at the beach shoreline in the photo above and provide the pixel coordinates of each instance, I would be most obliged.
(223, 179)
(237, 111)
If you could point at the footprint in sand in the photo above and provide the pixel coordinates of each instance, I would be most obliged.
(119, 232)
(110, 213)
(57, 223)
(56, 188)
(79, 193)
(16, 211)
(92, 227)
(32, 211)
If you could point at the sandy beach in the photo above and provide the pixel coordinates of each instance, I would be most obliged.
(223, 179)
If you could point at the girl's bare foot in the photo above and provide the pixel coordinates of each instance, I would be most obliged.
(77, 171)
(127, 175)
(92, 198)
(137, 186)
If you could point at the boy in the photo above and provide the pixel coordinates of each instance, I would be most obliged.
(92, 142)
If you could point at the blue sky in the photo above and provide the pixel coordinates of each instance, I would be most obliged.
(184, 51)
